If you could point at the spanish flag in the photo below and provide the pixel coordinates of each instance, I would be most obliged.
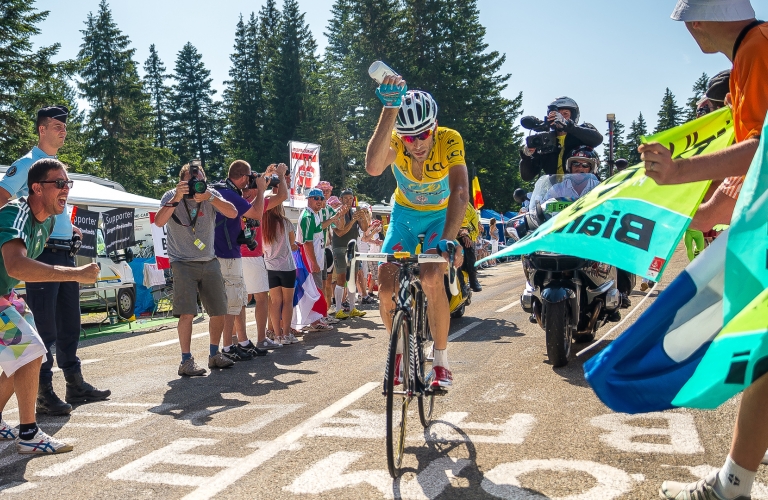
(477, 194)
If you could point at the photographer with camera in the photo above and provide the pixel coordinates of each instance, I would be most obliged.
(558, 135)
(191, 208)
(56, 305)
(229, 237)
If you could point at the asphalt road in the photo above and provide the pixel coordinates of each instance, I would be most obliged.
(308, 421)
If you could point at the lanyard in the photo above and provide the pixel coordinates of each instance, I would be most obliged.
(192, 220)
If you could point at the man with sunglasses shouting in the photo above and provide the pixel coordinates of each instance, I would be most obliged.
(56, 305)
(431, 198)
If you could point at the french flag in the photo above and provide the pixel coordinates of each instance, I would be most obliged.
(646, 368)
(309, 305)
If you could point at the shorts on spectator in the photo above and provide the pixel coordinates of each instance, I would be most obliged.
(285, 279)
(232, 272)
(340, 260)
(19, 341)
(191, 278)
(255, 275)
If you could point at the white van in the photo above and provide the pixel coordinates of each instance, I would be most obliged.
(115, 287)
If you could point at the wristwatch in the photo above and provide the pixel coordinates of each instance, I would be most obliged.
(172, 204)
(212, 197)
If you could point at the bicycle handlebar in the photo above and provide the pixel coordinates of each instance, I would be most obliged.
(353, 256)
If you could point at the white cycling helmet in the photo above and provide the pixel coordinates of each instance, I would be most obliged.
(418, 112)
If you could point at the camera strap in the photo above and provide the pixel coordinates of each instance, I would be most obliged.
(192, 219)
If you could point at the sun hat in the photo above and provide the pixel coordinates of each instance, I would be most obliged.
(713, 10)
(324, 185)
(334, 201)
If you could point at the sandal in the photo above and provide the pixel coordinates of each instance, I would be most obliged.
(270, 334)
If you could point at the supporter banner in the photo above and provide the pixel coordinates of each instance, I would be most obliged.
(628, 220)
(118, 229)
(160, 242)
(88, 222)
(678, 353)
(305, 171)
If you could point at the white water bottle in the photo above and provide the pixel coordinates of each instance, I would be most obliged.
(378, 71)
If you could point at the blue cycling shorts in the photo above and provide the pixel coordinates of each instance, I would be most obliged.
(407, 224)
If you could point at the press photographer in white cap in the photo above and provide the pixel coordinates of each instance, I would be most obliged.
(728, 27)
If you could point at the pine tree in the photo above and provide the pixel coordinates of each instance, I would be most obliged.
(270, 32)
(118, 128)
(670, 114)
(22, 70)
(637, 130)
(159, 94)
(699, 88)
(195, 117)
(243, 97)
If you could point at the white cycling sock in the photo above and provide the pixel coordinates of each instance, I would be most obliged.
(734, 480)
(441, 358)
(338, 293)
(352, 299)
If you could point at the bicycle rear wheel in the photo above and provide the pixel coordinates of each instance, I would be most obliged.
(424, 353)
(398, 395)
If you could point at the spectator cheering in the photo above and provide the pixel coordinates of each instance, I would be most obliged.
(196, 271)
(279, 244)
(352, 221)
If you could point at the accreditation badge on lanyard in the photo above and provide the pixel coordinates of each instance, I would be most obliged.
(193, 214)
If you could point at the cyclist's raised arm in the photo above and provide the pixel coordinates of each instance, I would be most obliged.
(379, 154)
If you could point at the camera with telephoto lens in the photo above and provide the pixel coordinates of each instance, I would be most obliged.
(272, 180)
(545, 141)
(247, 236)
(196, 186)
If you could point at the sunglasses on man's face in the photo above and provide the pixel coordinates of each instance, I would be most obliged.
(577, 164)
(60, 183)
(412, 138)
(316, 198)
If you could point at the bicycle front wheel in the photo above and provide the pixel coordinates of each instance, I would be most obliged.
(425, 354)
(398, 394)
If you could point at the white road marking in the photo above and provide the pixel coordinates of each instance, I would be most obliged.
(502, 481)
(82, 362)
(105, 420)
(174, 341)
(513, 431)
(497, 393)
(464, 330)
(508, 306)
(172, 454)
(243, 466)
(363, 424)
(87, 458)
(199, 419)
(329, 474)
(680, 429)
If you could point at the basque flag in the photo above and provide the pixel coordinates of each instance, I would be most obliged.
(309, 305)
(645, 368)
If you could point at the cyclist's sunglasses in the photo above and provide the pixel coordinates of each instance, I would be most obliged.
(422, 136)
(60, 183)
(702, 111)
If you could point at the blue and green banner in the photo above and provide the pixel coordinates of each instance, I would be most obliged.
(629, 221)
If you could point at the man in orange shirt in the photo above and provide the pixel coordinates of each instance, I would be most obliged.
(731, 29)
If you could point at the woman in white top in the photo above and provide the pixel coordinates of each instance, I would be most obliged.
(279, 244)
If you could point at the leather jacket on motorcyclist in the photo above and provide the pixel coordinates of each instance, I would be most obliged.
(553, 163)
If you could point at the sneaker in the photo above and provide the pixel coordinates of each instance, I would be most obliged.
(356, 313)
(269, 343)
(367, 300)
(292, 338)
(703, 489)
(282, 340)
(341, 315)
(442, 377)
(253, 350)
(41, 444)
(218, 360)
(189, 368)
(236, 353)
(328, 320)
(6, 431)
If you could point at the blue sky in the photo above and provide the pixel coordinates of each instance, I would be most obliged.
(611, 56)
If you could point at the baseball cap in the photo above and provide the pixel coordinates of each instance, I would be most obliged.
(719, 86)
(315, 192)
(713, 10)
(347, 191)
(59, 113)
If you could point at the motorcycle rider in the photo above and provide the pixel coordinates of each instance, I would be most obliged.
(570, 136)
(583, 161)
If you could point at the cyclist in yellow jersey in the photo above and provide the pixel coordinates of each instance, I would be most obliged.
(431, 199)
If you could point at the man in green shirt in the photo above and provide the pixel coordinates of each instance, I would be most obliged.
(24, 229)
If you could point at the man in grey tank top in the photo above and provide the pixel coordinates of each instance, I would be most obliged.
(342, 235)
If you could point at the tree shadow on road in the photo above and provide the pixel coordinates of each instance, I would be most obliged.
(492, 330)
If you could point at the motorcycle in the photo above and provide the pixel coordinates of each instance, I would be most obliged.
(569, 297)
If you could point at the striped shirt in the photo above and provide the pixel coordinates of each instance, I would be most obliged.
(18, 222)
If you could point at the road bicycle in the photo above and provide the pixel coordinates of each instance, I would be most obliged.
(410, 328)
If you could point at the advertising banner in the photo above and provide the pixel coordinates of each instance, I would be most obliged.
(628, 220)
(160, 242)
(305, 171)
(88, 222)
(118, 229)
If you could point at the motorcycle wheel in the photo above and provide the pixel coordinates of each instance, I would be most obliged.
(558, 333)
(458, 313)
